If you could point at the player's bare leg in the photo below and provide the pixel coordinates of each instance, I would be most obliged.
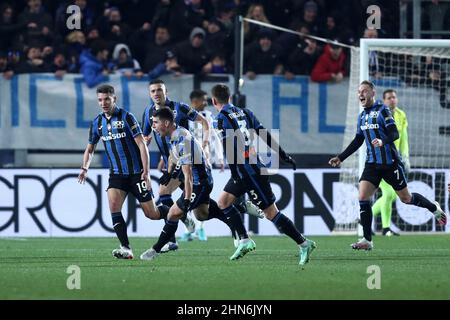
(151, 211)
(420, 201)
(116, 198)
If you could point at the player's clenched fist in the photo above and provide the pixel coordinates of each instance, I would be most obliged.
(377, 142)
(335, 162)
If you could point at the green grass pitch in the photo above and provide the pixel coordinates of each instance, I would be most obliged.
(411, 266)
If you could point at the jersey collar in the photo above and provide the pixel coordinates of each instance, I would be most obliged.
(115, 113)
(166, 104)
(227, 107)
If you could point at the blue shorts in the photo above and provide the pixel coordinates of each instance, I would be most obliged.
(256, 186)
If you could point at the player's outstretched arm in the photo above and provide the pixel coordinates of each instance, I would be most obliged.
(351, 148)
(87, 158)
(143, 151)
(265, 136)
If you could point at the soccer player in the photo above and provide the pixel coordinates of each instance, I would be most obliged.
(384, 204)
(186, 152)
(199, 101)
(128, 157)
(214, 154)
(183, 114)
(377, 128)
(246, 168)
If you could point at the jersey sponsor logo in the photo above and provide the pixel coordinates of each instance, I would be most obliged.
(114, 136)
(118, 124)
(370, 126)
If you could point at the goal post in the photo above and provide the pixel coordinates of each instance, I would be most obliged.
(419, 71)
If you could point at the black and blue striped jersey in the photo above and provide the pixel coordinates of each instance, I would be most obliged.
(236, 127)
(373, 123)
(118, 133)
(182, 112)
(186, 150)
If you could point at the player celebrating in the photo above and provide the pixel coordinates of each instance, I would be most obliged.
(183, 114)
(377, 128)
(384, 204)
(246, 169)
(128, 157)
(186, 152)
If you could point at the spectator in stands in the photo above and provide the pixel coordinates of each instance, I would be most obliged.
(310, 17)
(216, 65)
(334, 27)
(289, 41)
(75, 43)
(5, 68)
(173, 15)
(92, 35)
(59, 65)
(124, 62)
(330, 66)
(255, 12)
(302, 59)
(94, 64)
(112, 28)
(39, 22)
(280, 12)
(9, 27)
(262, 57)
(34, 62)
(139, 41)
(197, 13)
(156, 50)
(170, 65)
(87, 17)
(225, 15)
(192, 55)
(217, 40)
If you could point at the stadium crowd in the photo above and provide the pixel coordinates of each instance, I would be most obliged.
(184, 36)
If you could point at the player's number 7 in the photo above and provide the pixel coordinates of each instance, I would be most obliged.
(397, 173)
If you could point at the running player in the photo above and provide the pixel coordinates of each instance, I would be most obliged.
(247, 171)
(186, 152)
(183, 114)
(128, 158)
(377, 128)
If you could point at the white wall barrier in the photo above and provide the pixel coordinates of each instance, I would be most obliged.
(50, 203)
(43, 112)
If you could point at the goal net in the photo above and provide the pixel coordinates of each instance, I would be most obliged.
(419, 71)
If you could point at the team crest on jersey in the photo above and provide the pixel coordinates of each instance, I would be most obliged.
(118, 124)
(374, 114)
